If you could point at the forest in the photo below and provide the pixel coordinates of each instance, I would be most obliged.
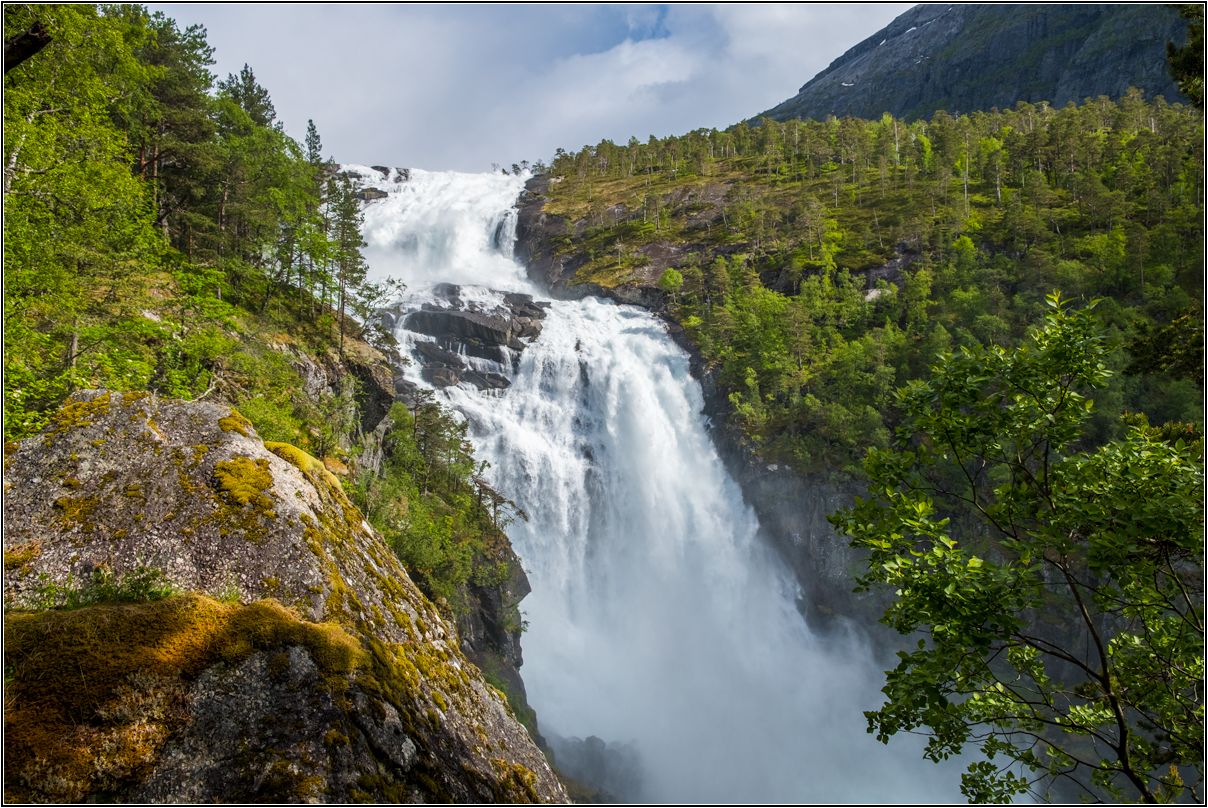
(820, 264)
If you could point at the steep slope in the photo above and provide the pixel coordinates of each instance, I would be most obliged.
(963, 58)
(242, 634)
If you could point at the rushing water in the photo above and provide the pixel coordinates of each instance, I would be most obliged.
(657, 620)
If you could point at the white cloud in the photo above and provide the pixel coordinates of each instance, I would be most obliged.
(462, 86)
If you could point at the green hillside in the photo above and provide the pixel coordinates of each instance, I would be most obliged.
(816, 266)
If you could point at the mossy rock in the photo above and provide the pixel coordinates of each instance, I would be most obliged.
(322, 634)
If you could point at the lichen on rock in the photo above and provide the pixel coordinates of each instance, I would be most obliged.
(300, 663)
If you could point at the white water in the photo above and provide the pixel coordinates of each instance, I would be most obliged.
(656, 617)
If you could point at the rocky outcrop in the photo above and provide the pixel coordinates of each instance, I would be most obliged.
(964, 58)
(362, 377)
(371, 194)
(292, 658)
(498, 334)
(537, 234)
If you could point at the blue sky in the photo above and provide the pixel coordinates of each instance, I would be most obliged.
(464, 86)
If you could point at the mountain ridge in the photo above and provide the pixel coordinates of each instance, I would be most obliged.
(968, 58)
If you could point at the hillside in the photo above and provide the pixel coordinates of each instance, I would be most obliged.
(165, 241)
(962, 58)
(815, 266)
(937, 320)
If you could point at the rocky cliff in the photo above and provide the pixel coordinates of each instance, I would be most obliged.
(539, 234)
(237, 631)
(963, 58)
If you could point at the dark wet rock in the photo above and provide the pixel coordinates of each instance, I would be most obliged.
(450, 292)
(486, 381)
(383, 170)
(431, 353)
(370, 194)
(499, 335)
(440, 375)
(466, 326)
(404, 389)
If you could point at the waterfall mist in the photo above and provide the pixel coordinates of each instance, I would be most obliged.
(657, 619)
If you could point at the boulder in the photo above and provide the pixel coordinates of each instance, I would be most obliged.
(431, 353)
(450, 292)
(241, 633)
(470, 327)
(486, 381)
(370, 194)
(440, 375)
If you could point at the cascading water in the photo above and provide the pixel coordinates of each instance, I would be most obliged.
(657, 619)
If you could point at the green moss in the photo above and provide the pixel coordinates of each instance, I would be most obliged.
(314, 470)
(76, 414)
(517, 783)
(143, 584)
(77, 511)
(235, 422)
(76, 726)
(244, 480)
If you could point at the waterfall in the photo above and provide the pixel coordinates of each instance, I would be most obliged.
(657, 620)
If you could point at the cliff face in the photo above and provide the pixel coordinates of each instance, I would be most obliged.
(963, 58)
(538, 233)
(241, 633)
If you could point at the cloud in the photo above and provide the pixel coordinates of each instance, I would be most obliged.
(454, 86)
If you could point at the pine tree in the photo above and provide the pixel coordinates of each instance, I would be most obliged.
(314, 146)
(249, 95)
(346, 238)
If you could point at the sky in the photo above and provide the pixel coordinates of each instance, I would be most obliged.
(462, 87)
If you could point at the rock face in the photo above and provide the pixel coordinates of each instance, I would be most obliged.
(497, 334)
(963, 58)
(371, 194)
(296, 661)
(537, 233)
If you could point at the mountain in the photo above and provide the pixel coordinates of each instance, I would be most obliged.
(965, 58)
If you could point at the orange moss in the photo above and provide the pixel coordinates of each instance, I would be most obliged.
(21, 555)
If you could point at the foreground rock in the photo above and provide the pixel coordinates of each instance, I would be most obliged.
(296, 660)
